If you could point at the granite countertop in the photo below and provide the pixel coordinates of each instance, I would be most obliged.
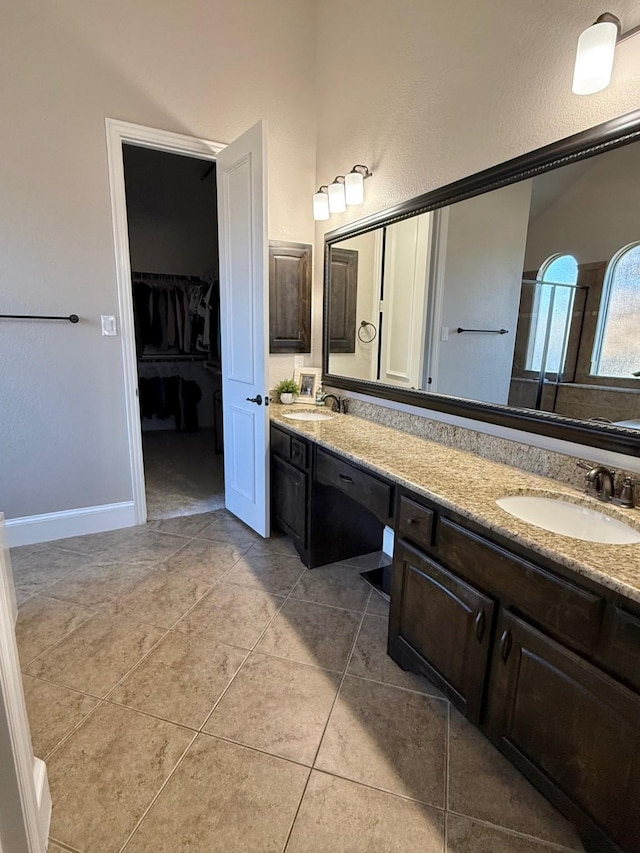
(469, 485)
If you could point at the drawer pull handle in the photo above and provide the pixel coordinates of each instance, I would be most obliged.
(505, 644)
(346, 479)
(413, 520)
(480, 625)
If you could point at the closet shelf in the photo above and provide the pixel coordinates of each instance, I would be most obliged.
(177, 357)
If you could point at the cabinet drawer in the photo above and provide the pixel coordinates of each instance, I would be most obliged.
(415, 522)
(621, 648)
(363, 487)
(568, 612)
(290, 448)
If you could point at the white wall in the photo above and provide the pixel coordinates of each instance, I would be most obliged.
(595, 216)
(481, 290)
(203, 67)
(427, 93)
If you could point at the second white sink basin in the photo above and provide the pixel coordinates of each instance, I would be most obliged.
(569, 519)
(308, 416)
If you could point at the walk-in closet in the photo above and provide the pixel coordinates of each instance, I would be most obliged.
(173, 243)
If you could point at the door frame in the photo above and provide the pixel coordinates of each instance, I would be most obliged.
(119, 133)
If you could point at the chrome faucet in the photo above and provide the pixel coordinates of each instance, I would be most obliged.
(339, 403)
(599, 481)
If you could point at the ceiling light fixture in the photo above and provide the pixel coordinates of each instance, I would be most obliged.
(595, 53)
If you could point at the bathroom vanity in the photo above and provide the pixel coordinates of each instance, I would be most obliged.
(534, 636)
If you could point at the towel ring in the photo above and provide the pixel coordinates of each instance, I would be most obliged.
(363, 326)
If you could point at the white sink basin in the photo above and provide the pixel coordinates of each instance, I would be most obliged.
(308, 416)
(561, 516)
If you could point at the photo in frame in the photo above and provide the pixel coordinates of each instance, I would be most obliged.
(308, 380)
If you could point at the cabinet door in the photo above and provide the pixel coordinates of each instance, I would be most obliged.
(572, 729)
(440, 625)
(289, 297)
(289, 498)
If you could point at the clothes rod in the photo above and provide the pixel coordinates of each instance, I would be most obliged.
(71, 318)
(484, 331)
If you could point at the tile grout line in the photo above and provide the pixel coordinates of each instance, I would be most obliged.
(252, 649)
(551, 845)
(324, 730)
(58, 641)
(161, 789)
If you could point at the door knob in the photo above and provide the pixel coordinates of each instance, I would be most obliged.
(257, 400)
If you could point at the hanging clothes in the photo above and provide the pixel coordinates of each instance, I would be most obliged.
(171, 397)
(170, 314)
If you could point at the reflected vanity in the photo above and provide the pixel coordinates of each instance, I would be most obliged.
(510, 297)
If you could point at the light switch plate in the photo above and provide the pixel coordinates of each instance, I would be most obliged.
(445, 333)
(298, 361)
(108, 324)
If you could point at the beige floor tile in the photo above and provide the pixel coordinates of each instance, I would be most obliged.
(97, 584)
(231, 614)
(158, 598)
(183, 525)
(277, 543)
(106, 773)
(484, 785)
(131, 543)
(378, 606)
(311, 633)
(227, 528)
(42, 622)
(204, 559)
(370, 659)
(389, 738)
(35, 572)
(181, 679)
(53, 848)
(276, 705)
(367, 561)
(53, 712)
(344, 817)
(97, 655)
(223, 798)
(469, 836)
(336, 585)
(270, 572)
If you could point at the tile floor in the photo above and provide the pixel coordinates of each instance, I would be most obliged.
(194, 688)
(183, 473)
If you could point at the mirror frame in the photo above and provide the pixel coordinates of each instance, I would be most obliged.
(588, 143)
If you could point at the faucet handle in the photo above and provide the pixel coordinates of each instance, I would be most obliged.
(586, 466)
(625, 495)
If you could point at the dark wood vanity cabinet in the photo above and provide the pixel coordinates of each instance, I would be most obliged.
(441, 627)
(332, 509)
(548, 667)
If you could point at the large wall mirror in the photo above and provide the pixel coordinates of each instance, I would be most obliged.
(512, 296)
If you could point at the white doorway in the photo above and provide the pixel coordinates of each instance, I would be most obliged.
(243, 308)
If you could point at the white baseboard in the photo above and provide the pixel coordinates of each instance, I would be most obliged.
(70, 522)
(43, 794)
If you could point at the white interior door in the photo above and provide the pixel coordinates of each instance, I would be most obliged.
(242, 216)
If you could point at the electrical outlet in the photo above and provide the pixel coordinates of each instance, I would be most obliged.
(108, 324)
(298, 361)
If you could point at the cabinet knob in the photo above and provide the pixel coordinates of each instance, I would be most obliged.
(346, 479)
(505, 644)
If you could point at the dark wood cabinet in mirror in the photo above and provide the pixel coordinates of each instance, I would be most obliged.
(510, 297)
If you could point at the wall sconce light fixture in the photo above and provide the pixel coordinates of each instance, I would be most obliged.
(321, 203)
(596, 49)
(342, 191)
(337, 199)
(354, 184)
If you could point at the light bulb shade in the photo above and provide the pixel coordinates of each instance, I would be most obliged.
(320, 206)
(354, 188)
(337, 202)
(594, 58)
